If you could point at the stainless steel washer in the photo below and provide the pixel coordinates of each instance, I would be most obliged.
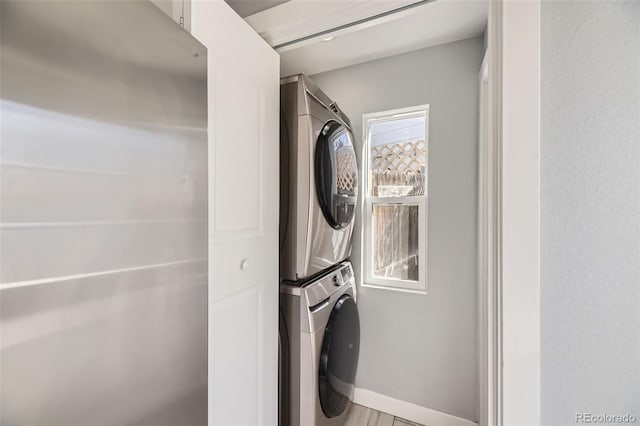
(320, 319)
(318, 180)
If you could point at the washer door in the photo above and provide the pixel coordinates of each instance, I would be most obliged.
(339, 357)
(336, 174)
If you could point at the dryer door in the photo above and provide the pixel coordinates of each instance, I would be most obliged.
(336, 174)
(339, 357)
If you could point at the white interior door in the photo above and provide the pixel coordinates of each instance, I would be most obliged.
(243, 95)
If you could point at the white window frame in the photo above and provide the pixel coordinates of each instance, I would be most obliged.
(369, 280)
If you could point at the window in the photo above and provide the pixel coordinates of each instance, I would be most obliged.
(395, 198)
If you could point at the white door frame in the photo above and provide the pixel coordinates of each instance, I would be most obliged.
(512, 257)
(487, 258)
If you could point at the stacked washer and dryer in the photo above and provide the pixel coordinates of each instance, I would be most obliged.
(319, 325)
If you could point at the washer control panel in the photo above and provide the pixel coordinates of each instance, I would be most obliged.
(325, 286)
(316, 297)
(347, 273)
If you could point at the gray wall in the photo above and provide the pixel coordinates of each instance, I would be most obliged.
(590, 232)
(422, 348)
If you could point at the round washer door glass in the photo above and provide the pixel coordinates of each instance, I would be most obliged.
(336, 174)
(339, 357)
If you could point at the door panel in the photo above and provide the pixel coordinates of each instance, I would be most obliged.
(238, 371)
(239, 110)
(243, 93)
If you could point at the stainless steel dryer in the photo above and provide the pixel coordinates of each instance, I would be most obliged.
(318, 180)
(322, 334)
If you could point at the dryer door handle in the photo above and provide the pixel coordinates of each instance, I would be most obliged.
(319, 306)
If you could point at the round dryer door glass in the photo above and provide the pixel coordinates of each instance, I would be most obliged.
(339, 357)
(336, 174)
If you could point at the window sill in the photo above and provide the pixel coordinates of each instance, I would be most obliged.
(394, 288)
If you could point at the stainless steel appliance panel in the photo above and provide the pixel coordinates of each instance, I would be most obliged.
(309, 240)
(103, 216)
(306, 321)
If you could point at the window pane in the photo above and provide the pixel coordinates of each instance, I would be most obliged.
(398, 157)
(395, 241)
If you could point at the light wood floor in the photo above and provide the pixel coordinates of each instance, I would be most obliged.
(364, 416)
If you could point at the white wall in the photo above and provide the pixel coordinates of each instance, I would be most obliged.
(422, 348)
(590, 217)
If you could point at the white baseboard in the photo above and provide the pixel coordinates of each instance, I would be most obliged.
(406, 410)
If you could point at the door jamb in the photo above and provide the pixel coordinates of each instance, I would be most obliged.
(513, 32)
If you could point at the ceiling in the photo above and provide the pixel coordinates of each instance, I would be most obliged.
(420, 25)
(434, 23)
(246, 8)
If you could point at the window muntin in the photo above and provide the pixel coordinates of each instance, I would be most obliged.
(395, 204)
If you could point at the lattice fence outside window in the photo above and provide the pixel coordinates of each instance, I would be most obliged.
(408, 156)
(398, 169)
(347, 171)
